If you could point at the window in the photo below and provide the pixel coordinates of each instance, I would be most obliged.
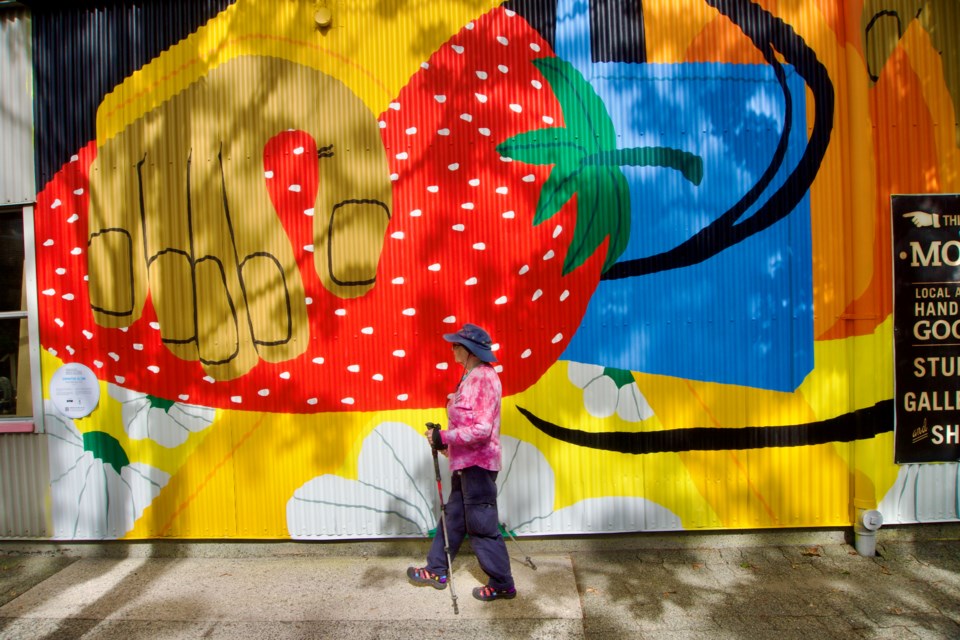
(20, 393)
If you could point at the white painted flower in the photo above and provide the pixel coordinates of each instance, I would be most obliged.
(395, 491)
(96, 492)
(609, 391)
(391, 496)
(167, 423)
(395, 495)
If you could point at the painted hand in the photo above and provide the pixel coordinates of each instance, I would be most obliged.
(180, 211)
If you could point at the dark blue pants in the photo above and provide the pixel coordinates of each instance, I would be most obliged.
(471, 508)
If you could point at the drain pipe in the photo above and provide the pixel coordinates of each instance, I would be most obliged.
(865, 527)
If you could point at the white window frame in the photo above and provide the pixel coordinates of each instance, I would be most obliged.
(34, 423)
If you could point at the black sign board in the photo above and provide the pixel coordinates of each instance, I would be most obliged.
(926, 326)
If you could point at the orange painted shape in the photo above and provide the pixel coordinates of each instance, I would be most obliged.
(723, 41)
(831, 13)
(907, 162)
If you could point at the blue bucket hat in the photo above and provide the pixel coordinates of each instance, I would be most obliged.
(476, 340)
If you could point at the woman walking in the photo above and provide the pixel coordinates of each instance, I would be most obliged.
(472, 442)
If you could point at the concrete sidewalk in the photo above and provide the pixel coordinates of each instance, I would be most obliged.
(779, 585)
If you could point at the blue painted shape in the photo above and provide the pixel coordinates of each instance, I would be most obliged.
(744, 316)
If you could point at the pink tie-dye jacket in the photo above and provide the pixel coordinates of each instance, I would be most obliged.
(473, 413)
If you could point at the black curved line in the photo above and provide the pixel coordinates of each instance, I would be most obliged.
(233, 313)
(333, 215)
(140, 203)
(193, 255)
(129, 239)
(764, 30)
(179, 252)
(286, 298)
(861, 424)
(193, 286)
(239, 267)
(866, 33)
(883, 14)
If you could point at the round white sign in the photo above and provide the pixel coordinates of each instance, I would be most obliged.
(75, 390)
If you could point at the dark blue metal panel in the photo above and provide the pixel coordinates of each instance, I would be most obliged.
(82, 50)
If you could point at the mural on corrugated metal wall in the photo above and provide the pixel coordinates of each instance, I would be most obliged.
(671, 216)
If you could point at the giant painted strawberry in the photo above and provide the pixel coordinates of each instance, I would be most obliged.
(508, 202)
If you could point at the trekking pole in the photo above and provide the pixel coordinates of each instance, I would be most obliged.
(503, 525)
(443, 521)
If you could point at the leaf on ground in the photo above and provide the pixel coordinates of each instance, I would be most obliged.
(812, 552)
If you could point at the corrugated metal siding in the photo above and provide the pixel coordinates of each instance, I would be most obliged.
(17, 184)
(24, 486)
(223, 479)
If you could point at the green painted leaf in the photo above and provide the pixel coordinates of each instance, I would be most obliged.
(620, 377)
(584, 113)
(541, 147)
(601, 190)
(556, 192)
(586, 163)
(160, 403)
(105, 447)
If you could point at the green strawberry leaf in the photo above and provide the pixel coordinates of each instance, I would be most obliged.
(556, 192)
(584, 113)
(586, 163)
(542, 146)
(601, 189)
